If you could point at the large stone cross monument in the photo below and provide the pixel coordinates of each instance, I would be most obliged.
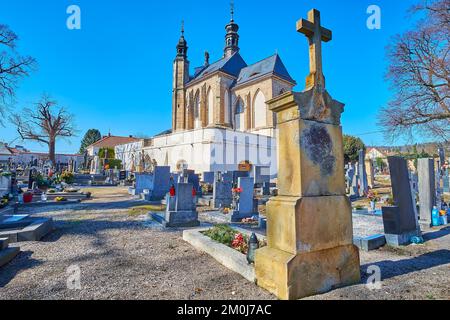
(315, 33)
(309, 229)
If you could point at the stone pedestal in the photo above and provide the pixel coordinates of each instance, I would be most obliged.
(309, 225)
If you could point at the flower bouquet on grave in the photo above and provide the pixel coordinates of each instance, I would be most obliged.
(236, 193)
(240, 243)
(373, 198)
(60, 199)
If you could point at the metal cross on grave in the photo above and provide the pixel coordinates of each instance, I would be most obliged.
(315, 33)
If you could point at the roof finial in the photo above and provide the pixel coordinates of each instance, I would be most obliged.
(182, 27)
(232, 9)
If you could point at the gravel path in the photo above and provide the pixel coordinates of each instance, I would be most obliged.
(120, 257)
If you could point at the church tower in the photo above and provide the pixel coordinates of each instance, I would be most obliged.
(180, 78)
(232, 36)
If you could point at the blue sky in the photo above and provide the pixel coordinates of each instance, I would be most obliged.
(116, 72)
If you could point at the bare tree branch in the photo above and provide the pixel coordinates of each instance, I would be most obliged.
(13, 67)
(419, 74)
(44, 123)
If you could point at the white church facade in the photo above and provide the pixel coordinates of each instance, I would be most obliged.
(219, 113)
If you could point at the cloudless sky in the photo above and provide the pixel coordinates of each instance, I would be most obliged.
(116, 72)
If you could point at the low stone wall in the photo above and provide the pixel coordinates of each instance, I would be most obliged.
(229, 257)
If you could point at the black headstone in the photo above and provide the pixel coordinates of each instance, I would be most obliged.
(404, 216)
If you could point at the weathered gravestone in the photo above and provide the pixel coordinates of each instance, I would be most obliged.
(354, 183)
(5, 184)
(247, 206)
(414, 178)
(195, 180)
(446, 182)
(309, 224)
(161, 183)
(370, 173)
(157, 182)
(143, 181)
(222, 193)
(400, 221)
(427, 190)
(208, 177)
(180, 210)
(349, 173)
(261, 176)
(239, 174)
(363, 184)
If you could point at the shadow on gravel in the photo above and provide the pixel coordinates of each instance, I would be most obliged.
(111, 205)
(391, 269)
(23, 261)
(436, 234)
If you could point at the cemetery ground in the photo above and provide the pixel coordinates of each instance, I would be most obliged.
(121, 256)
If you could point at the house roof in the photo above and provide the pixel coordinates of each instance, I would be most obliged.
(112, 141)
(5, 150)
(236, 67)
(270, 65)
(231, 65)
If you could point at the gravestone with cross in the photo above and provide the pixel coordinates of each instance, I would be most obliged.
(180, 208)
(309, 223)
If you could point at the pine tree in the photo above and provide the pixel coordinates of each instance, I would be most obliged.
(91, 136)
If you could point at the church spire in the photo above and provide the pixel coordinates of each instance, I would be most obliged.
(232, 36)
(182, 44)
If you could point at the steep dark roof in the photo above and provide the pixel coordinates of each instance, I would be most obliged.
(272, 64)
(231, 65)
(165, 132)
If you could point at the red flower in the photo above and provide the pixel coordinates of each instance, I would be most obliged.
(238, 240)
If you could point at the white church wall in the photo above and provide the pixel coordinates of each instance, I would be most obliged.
(210, 149)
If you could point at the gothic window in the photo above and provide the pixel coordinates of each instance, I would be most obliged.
(197, 121)
(210, 107)
(226, 106)
(260, 110)
(239, 117)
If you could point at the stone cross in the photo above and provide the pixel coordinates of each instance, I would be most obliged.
(315, 33)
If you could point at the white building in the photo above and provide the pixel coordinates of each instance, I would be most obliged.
(205, 149)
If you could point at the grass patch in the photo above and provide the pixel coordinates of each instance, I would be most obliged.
(140, 210)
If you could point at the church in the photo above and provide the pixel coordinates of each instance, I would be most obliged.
(219, 113)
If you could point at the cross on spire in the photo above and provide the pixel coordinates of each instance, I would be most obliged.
(232, 9)
(182, 27)
(315, 33)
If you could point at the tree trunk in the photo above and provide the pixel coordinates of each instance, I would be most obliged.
(51, 151)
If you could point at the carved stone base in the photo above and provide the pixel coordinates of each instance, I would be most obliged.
(290, 276)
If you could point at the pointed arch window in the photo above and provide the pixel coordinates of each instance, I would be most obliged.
(197, 119)
(260, 110)
(239, 116)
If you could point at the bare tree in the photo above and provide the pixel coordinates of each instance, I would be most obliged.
(419, 74)
(44, 123)
(13, 67)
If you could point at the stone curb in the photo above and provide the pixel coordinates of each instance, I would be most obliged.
(226, 256)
